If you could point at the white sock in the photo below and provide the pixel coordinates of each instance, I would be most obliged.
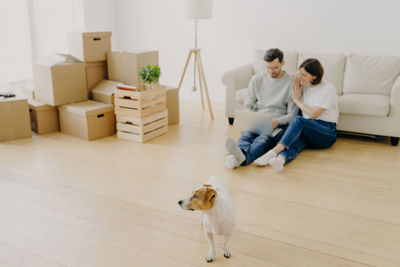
(231, 162)
(264, 159)
(277, 163)
(233, 149)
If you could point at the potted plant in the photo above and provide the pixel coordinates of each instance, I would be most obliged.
(150, 75)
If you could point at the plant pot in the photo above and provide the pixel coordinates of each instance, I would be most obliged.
(150, 86)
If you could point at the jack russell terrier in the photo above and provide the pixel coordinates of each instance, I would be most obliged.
(218, 212)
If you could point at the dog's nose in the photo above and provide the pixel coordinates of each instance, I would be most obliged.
(180, 202)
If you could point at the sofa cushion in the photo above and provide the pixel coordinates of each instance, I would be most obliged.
(290, 58)
(333, 65)
(370, 74)
(240, 95)
(364, 104)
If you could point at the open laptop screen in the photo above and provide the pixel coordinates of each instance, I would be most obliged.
(253, 122)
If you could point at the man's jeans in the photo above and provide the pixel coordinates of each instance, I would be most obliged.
(307, 132)
(253, 145)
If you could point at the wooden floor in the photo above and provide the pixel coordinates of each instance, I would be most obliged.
(69, 202)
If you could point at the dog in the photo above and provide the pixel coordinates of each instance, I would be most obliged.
(214, 200)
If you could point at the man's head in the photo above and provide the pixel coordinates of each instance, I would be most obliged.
(274, 62)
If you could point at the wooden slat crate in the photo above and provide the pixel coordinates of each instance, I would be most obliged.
(141, 103)
(142, 129)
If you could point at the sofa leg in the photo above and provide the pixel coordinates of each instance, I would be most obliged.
(394, 141)
(231, 120)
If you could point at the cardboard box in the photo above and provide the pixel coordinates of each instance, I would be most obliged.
(95, 73)
(172, 104)
(87, 120)
(89, 46)
(14, 118)
(124, 66)
(104, 91)
(44, 118)
(59, 83)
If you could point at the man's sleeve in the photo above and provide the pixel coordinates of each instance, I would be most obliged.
(250, 99)
(292, 111)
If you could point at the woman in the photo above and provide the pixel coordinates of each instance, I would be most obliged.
(317, 100)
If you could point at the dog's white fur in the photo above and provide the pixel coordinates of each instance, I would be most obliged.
(219, 219)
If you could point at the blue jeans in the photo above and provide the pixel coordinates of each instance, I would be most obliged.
(253, 145)
(303, 133)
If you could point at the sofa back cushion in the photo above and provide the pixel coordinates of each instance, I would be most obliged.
(333, 65)
(290, 58)
(370, 74)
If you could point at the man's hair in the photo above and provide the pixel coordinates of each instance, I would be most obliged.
(314, 67)
(272, 54)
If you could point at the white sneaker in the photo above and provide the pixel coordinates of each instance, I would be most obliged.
(231, 162)
(264, 159)
(234, 149)
(277, 164)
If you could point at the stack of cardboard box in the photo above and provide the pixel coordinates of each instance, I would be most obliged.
(91, 48)
(65, 84)
(62, 87)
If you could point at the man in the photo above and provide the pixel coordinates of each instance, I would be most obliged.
(269, 93)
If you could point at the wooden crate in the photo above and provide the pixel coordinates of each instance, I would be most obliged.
(142, 129)
(140, 103)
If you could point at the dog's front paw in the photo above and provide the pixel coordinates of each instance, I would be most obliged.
(210, 256)
(227, 253)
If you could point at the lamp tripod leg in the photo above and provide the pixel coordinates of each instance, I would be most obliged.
(200, 82)
(194, 89)
(201, 70)
(184, 70)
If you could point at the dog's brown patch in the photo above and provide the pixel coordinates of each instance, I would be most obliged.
(202, 199)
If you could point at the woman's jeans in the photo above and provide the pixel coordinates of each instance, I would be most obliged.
(253, 145)
(303, 133)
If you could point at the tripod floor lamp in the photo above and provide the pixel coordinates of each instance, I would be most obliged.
(198, 9)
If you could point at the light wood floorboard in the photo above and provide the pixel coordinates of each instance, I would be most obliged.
(109, 202)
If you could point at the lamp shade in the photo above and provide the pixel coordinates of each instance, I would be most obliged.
(198, 9)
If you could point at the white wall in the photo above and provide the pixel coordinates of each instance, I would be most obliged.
(50, 21)
(239, 27)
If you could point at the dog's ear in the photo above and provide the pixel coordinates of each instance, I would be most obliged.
(210, 194)
(206, 185)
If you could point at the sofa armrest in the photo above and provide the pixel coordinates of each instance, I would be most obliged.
(395, 99)
(233, 80)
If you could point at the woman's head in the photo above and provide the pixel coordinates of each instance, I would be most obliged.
(311, 71)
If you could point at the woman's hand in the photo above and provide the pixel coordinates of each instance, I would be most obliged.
(297, 90)
(275, 124)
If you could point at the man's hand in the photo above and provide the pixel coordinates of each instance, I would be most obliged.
(275, 124)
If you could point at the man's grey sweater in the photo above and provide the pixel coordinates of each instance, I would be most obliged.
(272, 96)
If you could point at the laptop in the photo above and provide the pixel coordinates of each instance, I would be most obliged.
(253, 122)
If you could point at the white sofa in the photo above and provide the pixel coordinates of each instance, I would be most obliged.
(368, 89)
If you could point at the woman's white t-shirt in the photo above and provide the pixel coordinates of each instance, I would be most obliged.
(323, 95)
